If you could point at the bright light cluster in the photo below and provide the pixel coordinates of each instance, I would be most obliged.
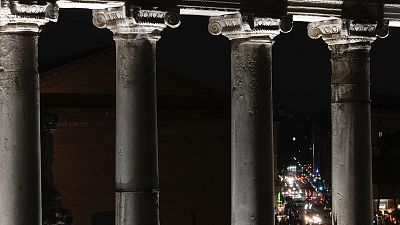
(315, 219)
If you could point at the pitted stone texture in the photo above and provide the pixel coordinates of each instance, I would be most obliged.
(20, 197)
(136, 120)
(252, 142)
(350, 73)
(351, 164)
(136, 176)
(351, 134)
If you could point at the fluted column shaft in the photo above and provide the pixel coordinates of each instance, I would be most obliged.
(350, 43)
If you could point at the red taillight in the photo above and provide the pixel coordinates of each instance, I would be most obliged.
(393, 219)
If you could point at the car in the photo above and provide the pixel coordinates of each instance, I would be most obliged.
(394, 217)
(282, 218)
(316, 217)
(328, 207)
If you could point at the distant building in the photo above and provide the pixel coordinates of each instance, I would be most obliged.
(385, 137)
(385, 118)
(193, 134)
(193, 137)
(194, 142)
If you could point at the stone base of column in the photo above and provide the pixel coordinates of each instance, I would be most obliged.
(137, 208)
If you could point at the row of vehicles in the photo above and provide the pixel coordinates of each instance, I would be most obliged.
(304, 213)
(306, 199)
(392, 218)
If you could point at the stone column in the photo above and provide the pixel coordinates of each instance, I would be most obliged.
(136, 177)
(20, 191)
(350, 43)
(252, 157)
(52, 212)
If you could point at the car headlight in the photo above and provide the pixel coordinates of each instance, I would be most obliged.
(317, 219)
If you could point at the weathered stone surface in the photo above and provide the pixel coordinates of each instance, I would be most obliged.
(350, 43)
(20, 198)
(252, 159)
(252, 141)
(136, 176)
(351, 135)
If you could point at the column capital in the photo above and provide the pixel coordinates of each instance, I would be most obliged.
(236, 26)
(343, 31)
(141, 21)
(18, 17)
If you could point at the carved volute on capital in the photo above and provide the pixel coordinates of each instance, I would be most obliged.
(18, 17)
(342, 31)
(235, 26)
(141, 21)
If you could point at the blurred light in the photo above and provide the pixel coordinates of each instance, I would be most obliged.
(290, 180)
(307, 206)
(279, 196)
(317, 219)
(294, 138)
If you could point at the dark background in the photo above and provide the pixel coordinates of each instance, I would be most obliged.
(301, 83)
(301, 66)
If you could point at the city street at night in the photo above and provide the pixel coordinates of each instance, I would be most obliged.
(303, 197)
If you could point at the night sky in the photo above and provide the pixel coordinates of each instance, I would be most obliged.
(301, 66)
